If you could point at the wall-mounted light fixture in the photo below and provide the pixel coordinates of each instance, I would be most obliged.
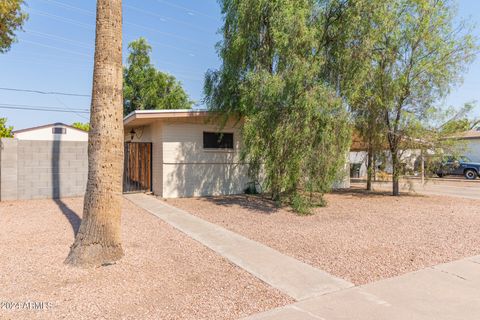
(132, 134)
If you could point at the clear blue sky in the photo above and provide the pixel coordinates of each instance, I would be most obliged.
(55, 53)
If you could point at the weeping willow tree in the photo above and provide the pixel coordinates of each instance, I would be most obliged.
(275, 75)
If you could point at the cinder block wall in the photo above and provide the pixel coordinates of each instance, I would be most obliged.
(44, 169)
(8, 169)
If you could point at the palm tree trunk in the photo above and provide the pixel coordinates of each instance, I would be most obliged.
(98, 240)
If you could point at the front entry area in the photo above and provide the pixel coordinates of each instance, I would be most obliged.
(137, 171)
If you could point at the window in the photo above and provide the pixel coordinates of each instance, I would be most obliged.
(59, 130)
(214, 140)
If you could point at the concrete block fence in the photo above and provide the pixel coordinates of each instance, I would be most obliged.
(33, 169)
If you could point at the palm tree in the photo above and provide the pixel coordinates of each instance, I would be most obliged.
(98, 239)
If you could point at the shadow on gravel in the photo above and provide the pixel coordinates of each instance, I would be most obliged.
(250, 202)
(71, 215)
(362, 193)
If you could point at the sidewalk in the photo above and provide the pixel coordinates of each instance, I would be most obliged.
(294, 278)
(445, 292)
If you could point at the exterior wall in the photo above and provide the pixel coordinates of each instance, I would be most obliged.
(44, 169)
(8, 169)
(190, 170)
(473, 149)
(157, 158)
(46, 134)
(359, 157)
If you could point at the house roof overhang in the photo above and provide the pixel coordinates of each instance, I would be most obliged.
(467, 135)
(145, 117)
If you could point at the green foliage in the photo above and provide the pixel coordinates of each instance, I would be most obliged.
(457, 125)
(5, 131)
(417, 54)
(458, 120)
(300, 205)
(12, 19)
(296, 129)
(81, 126)
(147, 88)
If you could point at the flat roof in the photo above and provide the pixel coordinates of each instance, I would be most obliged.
(142, 117)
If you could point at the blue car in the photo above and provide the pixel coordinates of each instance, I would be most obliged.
(459, 166)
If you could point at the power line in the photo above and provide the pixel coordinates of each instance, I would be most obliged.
(165, 18)
(40, 109)
(63, 104)
(70, 7)
(81, 24)
(59, 38)
(57, 48)
(63, 19)
(188, 10)
(167, 34)
(46, 92)
(47, 107)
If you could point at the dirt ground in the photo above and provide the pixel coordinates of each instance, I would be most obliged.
(358, 237)
(164, 274)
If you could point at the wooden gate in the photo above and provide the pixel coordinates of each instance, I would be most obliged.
(137, 172)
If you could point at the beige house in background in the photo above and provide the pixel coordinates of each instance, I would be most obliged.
(51, 132)
(189, 156)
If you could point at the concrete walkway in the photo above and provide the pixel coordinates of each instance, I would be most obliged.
(294, 278)
(445, 292)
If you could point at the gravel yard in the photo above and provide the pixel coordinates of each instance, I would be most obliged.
(164, 274)
(358, 237)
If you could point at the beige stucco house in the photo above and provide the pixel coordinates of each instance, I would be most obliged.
(190, 154)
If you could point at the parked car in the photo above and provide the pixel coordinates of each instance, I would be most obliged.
(458, 166)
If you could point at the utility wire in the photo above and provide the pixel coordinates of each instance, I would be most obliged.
(46, 92)
(41, 109)
(59, 38)
(165, 18)
(188, 10)
(57, 48)
(81, 24)
(70, 7)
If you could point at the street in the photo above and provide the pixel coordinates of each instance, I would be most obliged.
(455, 187)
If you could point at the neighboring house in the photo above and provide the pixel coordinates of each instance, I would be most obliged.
(51, 132)
(189, 156)
(470, 144)
(358, 157)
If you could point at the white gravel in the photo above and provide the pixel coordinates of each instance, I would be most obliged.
(360, 238)
(164, 274)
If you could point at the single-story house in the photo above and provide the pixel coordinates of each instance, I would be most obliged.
(470, 143)
(51, 132)
(189, 155)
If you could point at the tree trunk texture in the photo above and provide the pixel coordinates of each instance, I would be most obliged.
(98, 241)
(396, 174)
(369, 168)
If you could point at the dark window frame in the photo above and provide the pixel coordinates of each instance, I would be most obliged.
(62, 129)
(224, 140)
